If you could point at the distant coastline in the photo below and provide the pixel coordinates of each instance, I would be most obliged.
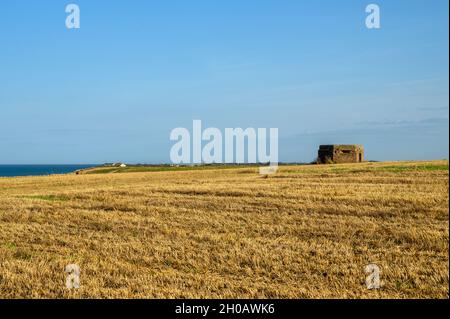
(12, 170)
(40, 170)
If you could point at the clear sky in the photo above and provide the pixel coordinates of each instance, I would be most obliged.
(115, 88)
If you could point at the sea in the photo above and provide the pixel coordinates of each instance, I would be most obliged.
(38, 170)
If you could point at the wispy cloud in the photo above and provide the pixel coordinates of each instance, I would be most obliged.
(434, 108)
(403, 123)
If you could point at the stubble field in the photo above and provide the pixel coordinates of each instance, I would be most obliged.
(306, 232)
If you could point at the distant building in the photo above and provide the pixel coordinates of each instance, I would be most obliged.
(338, 154)
(117, 165)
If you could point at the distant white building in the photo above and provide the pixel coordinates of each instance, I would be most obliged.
(119, 165)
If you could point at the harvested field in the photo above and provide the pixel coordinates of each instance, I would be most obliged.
(306, 232)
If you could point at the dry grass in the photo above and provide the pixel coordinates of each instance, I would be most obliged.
(307, 232)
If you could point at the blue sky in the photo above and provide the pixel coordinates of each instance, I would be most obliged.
(114, 89)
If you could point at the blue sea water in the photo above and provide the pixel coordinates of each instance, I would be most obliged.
(36, 170)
